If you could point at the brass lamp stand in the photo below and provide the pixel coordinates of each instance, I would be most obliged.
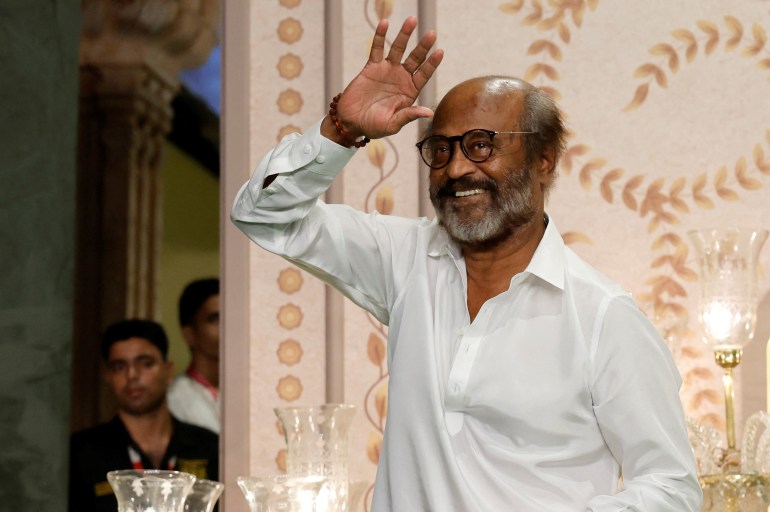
(729, 358)
(728, 313)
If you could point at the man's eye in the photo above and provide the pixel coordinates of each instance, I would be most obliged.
(148, 363)
(116, 367)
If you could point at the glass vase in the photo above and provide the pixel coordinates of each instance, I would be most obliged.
(282, 493)
(203, 496)
(150, 490)
(317, 445)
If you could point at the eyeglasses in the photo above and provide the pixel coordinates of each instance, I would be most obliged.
(436, 151)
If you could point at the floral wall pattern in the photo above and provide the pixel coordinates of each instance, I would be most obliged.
(668, 110)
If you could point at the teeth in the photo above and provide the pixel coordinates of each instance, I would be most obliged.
(468, 192)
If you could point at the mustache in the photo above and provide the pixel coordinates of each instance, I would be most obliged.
(451, 186)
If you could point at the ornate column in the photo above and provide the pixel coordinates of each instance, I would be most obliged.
(131, 52)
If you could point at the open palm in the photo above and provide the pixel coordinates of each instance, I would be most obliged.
(380, 100)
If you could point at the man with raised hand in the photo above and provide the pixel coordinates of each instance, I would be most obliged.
(520, 377)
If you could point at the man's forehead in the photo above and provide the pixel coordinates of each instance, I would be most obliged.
(488, 111)
(133, 348)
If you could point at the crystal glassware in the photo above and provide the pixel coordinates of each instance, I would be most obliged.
(282, 493)
(150, 490)
(728, 301)
(203, 496)
(317, 445)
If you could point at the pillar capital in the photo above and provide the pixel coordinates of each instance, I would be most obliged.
(167, 36)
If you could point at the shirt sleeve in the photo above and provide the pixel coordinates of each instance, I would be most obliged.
(351, 250)
(636, 400)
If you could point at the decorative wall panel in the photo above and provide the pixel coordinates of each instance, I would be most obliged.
(667, 109)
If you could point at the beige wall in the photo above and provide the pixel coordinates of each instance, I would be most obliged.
(190, 244)
(667, 104)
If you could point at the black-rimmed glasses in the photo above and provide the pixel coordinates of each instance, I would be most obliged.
(477, 145)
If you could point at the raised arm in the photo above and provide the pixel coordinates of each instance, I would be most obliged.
(380, 100)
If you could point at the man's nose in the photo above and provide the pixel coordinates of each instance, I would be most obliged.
(459, 165)
(132, 371)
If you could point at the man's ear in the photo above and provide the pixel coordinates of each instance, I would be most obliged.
(189, 335)
(547, 164)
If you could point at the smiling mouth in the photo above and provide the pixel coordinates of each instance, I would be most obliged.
(465, 193)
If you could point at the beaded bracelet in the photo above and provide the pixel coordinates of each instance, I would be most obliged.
(359, 142)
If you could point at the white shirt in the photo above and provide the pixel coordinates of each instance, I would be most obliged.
(536, 405)
(192, 402)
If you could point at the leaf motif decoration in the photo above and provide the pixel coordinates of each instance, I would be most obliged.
(741, 175)
(511, 7)
(605, 187)
(552, 22)
(585, 172)
(541, 68)
(705, 396)
(712, 420)
(537, 14)
(383, 8)
(543, 45)
(760, 38)
(722, 189)
(564, 33)
(381, 401)
(690, 352)
(654, 70)
(639, 96)
(759, 159)
(374, 447)
(734, 26)
(664, 49)
(577, 13)
(576, 150)
(689, 39)
(384, 199)
(697, 192)
(628, 191)
(712, 32)
(375, 152)
(375, 349)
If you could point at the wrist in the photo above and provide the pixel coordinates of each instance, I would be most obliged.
(343, 135)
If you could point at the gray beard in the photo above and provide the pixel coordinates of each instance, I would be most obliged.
(512, 207)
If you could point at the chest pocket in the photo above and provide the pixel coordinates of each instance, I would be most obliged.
(196, 467)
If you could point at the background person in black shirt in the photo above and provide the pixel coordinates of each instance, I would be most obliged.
(143, 435)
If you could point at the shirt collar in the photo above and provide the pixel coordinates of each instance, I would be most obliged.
(547, 263)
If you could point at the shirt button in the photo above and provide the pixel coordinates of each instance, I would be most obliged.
(456, 388)
(306, 149)
(320, 159)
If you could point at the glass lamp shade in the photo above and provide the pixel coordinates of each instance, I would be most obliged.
(203, 496)
(729, 294)
(317, 445)
(150, 490)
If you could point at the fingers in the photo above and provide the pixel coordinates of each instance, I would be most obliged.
(409, 114)
(378, 42)
(418, 55)
(424, 72)
(398, 47)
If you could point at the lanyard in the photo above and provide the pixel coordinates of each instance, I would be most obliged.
(136, 459)
(200, 379)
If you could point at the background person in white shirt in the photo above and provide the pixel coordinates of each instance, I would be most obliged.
(520, 377)
(194, 395)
